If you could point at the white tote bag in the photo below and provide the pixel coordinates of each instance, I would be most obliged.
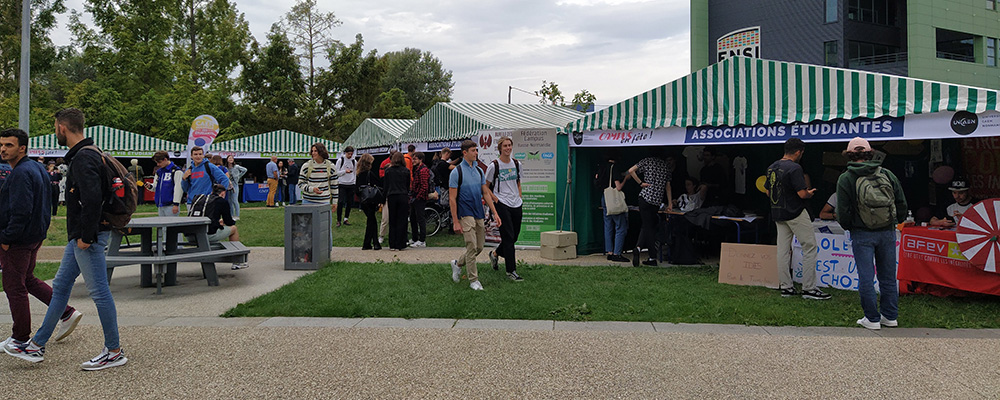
(614, 199)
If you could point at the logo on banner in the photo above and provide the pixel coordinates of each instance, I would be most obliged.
(964, 122)
(485, 141)
(741, 42)
(578, 138)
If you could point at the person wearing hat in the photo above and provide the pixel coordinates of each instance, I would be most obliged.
(963, 201)
(862, 191)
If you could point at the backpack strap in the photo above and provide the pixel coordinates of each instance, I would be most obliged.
(496, 173)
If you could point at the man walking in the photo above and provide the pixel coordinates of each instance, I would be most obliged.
(167, 192)
(293, 183)
(420, 185)
(88, 184)
(466, 191)
(201, 175)
(272, 180)
(24, 218)
(786, 189)
(504, 177)
(347, 176)
(870, 202)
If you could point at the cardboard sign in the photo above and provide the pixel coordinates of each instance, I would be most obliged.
(748, 265)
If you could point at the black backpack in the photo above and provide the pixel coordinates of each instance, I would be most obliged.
(496, 171)
(459, 167)
(121, 195)
(199, 205)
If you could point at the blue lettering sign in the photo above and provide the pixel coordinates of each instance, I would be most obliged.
(838, 129)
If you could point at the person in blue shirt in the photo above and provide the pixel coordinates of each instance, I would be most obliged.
(200, 176)
(467, 191)
(166, 192)
(272, 180)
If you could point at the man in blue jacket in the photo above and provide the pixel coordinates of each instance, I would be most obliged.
(200, 176)
(166, 192)
(24, 218)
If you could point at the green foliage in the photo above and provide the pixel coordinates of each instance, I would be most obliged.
(310, 32)
(418, 74)
(550, 94)
(392, 104)
(271, 83)
(583, 100)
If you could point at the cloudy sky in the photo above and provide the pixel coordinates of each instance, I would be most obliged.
(613, 48)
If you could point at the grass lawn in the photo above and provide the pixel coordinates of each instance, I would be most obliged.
(261, 226)
(43, 271)
(569, 293)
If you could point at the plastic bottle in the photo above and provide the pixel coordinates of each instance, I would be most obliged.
(909, 218)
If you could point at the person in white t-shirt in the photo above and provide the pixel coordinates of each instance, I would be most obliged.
(963, 201)
(829, 211)
(503, 175)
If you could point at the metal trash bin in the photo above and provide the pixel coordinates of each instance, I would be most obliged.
(307, 236)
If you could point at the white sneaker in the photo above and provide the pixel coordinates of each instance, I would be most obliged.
(420, 244)
(868, 324)
(410, 242)
(5, 341)
(891, 323)
(67, 325)
(456, 271)
(237, 266)
(476, 285)
(379, 240)
(104, 360)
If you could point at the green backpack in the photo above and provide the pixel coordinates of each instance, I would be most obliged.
(876, 200)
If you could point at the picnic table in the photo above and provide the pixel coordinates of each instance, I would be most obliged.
(160, 248)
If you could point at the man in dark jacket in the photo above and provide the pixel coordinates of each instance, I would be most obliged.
(293, 180)
(24, 218)
(874, 247)
(87, 188)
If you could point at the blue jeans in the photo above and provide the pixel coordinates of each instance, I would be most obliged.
(293, 197)
(91, 264)
(233, 197)
(615, 230)
(875, 253)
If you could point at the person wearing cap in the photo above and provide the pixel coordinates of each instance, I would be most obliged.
(960, 191)
(874, 248)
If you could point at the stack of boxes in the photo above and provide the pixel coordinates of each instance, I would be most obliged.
(558, 245)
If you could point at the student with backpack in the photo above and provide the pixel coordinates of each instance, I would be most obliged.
(786, 191)
(201, 175)
(167, 192)
(870, 202)
(89, 191)
(504, 178)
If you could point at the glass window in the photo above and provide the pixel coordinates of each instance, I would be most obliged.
(863, 53)
(959, 46)
(832, 59)
(831, 10)
(991, 51)
(991, 4)
(882, 12)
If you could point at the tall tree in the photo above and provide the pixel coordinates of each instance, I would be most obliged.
(310, 33)
(418, 74)
(210, 39)
(271, 83)
(550, 94)
(392, 104)
(584, 100)
(42, 51)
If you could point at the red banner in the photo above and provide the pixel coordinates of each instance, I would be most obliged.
(933, 256)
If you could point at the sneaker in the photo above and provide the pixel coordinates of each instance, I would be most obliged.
(635, 257)
(410, 242)
(456, 271)
(650, 262)
(789, 292)
(379, 240)
(237, 266)
(67, 325)
(494, 260)
(346, 222)
(514, 276)
(476, 285)
(5, 341)
(815, 294)
(27, 351)
(420, 244)
(104, 360)
(889, 322)
(868, 324)
(617, 258)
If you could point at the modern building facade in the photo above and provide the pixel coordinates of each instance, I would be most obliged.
(953, 41)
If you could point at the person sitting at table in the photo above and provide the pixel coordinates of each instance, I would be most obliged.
(960, 191)
(693, 198)
(221, 225)
(829, 209)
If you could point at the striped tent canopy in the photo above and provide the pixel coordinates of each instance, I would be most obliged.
(111, 140)
(280, 142)
(745, 91)
(375, 132)
(451, 121)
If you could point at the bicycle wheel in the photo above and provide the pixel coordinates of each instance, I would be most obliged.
(432, 219)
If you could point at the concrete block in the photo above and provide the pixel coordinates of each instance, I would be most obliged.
(558, 238)
(558, 253)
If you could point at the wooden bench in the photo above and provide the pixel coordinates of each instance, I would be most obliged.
(231, 252)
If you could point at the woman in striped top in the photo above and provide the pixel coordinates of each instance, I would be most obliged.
(318, 179)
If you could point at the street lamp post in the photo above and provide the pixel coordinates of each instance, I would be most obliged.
(25, 92)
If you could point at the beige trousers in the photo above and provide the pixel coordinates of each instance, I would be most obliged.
(272, 189)
(474, 233)
(383, 229)
(801, 228)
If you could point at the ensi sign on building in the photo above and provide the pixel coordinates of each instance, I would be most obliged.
(741, 42)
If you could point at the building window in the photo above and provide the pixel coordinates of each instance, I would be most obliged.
(832, 59)
(957, 46)
(831, 10)
(991, 51)
(882, 12)
(863, 53)
(991, 4)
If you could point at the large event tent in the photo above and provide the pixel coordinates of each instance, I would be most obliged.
(742, 101)
(378, 135)
(282, 143)
(454, 121)
(115, 141)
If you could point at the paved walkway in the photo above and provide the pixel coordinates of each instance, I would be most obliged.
(179, 348)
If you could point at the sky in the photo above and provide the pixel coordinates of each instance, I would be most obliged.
(615, 49)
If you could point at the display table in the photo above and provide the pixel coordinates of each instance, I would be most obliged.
(932, 256)
(254, 192)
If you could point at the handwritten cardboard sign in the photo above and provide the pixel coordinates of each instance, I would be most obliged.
(748, 265)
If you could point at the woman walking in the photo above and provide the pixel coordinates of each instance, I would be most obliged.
(236, 173)
(369, 177)
(397, 193)
(282, 183)
(318, 181)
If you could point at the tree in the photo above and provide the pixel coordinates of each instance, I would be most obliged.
(392, 104)
(584, 100)
(271, 83)
(550, 94)
(418, 74)
(310, 32)
(42, 51)
(210, 39)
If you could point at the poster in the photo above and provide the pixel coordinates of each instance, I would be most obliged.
(203, 131)
(535, 150)
(982, 165)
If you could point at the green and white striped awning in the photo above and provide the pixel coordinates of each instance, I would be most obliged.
(111, 140)
(745, 91)
(375, 132)
(451, 121)
(280, 143)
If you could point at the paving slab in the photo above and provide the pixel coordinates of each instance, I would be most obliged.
(210, 321)
(310, 322)
(819, 331)
(503, 324)
(433, 323)
(939, 333)
(709, 328)
(614, 326)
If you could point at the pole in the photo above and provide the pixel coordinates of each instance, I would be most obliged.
(509, 89)
(25, 77)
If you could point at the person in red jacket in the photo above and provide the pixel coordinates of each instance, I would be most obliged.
(420, 184)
